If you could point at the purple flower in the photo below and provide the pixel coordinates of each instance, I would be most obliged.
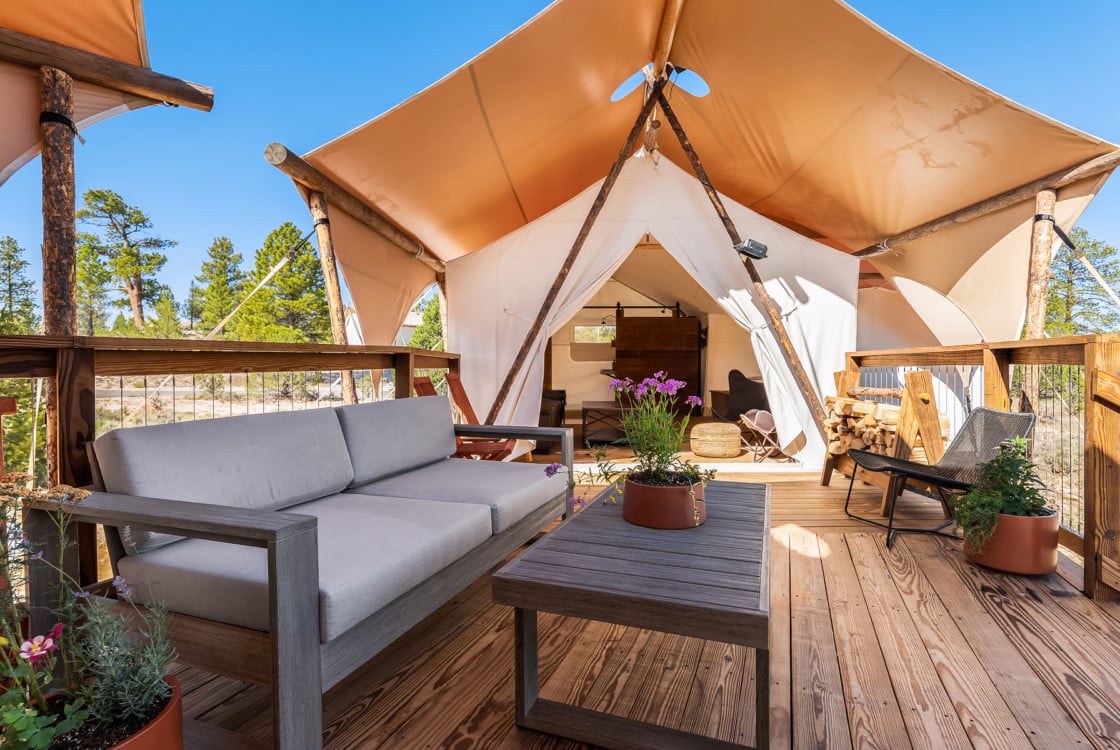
(662, 387)
(693, 401)
(124, 591)
(641, 390)
(551, 469)
(659, 374)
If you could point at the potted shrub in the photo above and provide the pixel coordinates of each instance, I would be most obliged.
(98, 679)
(1004, 517)
(660, 490)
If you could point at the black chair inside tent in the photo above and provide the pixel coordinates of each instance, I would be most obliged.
(745, 394)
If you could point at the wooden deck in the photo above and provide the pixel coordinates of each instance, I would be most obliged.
(911, 647)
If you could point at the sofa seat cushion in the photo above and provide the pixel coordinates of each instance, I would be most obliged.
(512, 490)
(371, 550)
(388, 437)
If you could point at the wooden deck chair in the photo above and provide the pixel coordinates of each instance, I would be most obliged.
(486, 450)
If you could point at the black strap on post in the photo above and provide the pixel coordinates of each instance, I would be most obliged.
(61, 120)
(1057, 230)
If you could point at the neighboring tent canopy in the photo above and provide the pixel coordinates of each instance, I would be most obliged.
(494, 294)
(111, 29)
(816, 119)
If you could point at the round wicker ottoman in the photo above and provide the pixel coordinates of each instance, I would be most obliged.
(716, 440)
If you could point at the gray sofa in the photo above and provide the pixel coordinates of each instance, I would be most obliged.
(318, 536)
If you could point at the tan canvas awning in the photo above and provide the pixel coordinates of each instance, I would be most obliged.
(110, 28)
(816, 118)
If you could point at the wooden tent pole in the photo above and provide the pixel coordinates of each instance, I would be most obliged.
(1038, 278)
(566, 268)
(311, 178)
(1012, 197)
(769, 306)
(29, 51)
(668, 30)
(60, 304)
(318, 205)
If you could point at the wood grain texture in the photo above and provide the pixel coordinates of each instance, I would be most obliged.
(927, 709)
(1102, 474)
(819, 716)
(873, 714)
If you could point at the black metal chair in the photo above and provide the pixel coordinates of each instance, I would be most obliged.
(978, 441)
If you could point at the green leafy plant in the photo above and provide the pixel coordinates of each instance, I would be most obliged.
(1008, 484)
(111, 682)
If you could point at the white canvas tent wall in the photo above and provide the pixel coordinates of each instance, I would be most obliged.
(816, 119)
(111, 28)
(493, 294)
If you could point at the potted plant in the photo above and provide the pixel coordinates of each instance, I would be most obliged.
(98, 679)
(1006, 523)
(659, 490)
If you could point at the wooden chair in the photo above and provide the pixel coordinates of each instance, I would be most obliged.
(485, 450)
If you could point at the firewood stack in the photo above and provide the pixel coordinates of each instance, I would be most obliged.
(868, 425)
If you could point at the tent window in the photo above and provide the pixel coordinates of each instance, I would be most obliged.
(600, 334)
(629, 85)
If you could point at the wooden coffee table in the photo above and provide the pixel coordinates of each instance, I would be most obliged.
(710, 582)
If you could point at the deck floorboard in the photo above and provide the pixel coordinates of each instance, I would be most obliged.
(870, 648)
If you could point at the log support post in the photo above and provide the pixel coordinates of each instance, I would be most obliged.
(317, 202)
(60, 304)
(769, 306)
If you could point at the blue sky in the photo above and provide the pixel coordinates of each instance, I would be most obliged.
(284, 72)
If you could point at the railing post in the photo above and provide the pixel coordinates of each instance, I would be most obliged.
(997, 379)
(76, 416)
(1101, 496)
(403, 369)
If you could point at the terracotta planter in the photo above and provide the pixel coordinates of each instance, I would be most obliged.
(1027, 545)
(165, 732)
(663, 507)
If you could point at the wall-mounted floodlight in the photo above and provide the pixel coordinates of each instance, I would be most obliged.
(752, 249)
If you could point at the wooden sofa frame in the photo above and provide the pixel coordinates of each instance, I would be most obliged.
(290, 658)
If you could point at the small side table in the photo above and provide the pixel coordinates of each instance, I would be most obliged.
(601, 422)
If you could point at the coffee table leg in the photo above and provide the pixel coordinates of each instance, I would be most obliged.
(525, 660)
(762, 698)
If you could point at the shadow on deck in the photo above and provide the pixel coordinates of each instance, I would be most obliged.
(908, 647)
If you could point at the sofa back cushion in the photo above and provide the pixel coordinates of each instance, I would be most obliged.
(258, 461)
(389, 437)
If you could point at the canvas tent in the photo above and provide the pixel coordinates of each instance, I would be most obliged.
(816, 120)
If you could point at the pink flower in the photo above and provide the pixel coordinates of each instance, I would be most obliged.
(37, 648)
(693, 401)
(55, 633)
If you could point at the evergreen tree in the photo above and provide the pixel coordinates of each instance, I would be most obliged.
(18, 317)
(93, 279)
(292, 306)
(17, 292)
(134, 256)
(429, 334)
(166, 324)
(222, 284)
(1076, 303)
(192, 308)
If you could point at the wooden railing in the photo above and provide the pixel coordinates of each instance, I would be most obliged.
(73, 363)
(1100, 357)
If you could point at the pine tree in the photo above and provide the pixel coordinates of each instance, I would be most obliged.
(292, 306)
(17, 292)
(192, 308)
(93, 279)
(134, 255)
(222, 284)
(166, 324)
(18, 317)
(1076, 303)
(429, 334)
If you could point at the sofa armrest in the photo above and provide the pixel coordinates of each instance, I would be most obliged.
(293, 582)
(255, 528)
(526, 432)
